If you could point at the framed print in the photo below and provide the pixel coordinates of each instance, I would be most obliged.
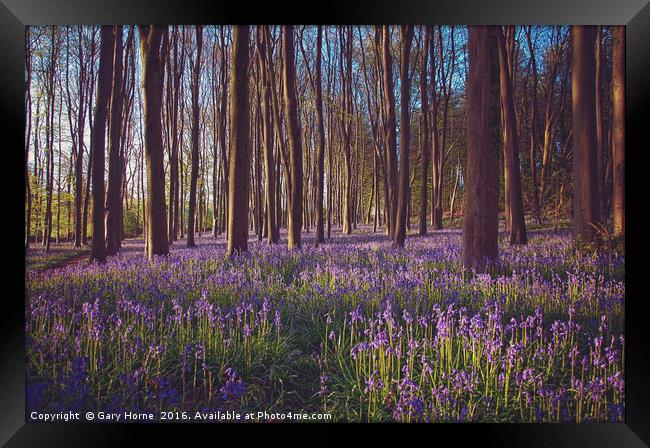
(410, 216)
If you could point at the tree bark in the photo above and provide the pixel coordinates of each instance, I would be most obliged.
(424, 132)
(273, 233)
(480, 221)
(511, 144)
(320, 148)
(618, 135)
(586, 204)
(390, 134)
(196, 71)
(152, 83)
(533, 129)
(239, 189)
(98, 249)
(28, 108)
(113, 197)
(405, 137)
(295, 141)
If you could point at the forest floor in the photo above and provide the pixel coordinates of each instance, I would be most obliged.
(60, 255)
(64, 254)
(353, 328)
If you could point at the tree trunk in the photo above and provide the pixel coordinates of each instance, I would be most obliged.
(295, 142)
(91, 82)
(28, 108)
(405, 137)
(196, 71)
(273, 233)
(98, 249)
(152, 81)
(113, 227)
(586, 204)
(424, 131)
(533, 129)
(480, 221)
(320, 148)
(511, 144)
(390, 133)
(51, 91)
(618, 135)
(238, 196)
(345, 49)
(174, 188)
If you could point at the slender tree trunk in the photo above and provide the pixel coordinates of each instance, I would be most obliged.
(98, 248)
(113, 233)
(618, 135)
(238, 197)
(176, 73)
(273, 233)
(511, 144)
(586, 204)
(424, 132)
(196, 71)
(28, 108)
(320, 148)
(405, 137)
(600, 144)
(480, 221)
(58, 182)
(295, 142)
(91, 82)
(223, 113)
(452, 200)
(345, 52)
(152, 83)
(50, 142)
(532, 133)
(390, 133)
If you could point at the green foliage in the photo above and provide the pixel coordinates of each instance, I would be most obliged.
(63, 217)
(133, 220)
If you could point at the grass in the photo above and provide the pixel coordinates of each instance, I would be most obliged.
(37, 259)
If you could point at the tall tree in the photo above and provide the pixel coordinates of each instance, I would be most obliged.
(28, 108)
(174, 188)
(152, 82)
(586, 204)
(405, 137)
(273, 233)
(424, 131)
(480, 221)
(113, 196)
(91, 88)
(239, 190)
(295, 141)
(106, 47)
(618, 135)
(511, 142)
(345, 74)
(390, 132)
(196, 76)
(78, 165)
(51, 95)
(532, 128)
(320, 149)
(446, 68)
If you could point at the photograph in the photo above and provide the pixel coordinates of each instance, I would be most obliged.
(344, 223)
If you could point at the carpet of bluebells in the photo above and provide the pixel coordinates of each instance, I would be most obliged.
(353, 328)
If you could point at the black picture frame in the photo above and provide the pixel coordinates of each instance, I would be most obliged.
(15, 14)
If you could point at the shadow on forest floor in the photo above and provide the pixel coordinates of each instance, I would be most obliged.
(64, 254)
